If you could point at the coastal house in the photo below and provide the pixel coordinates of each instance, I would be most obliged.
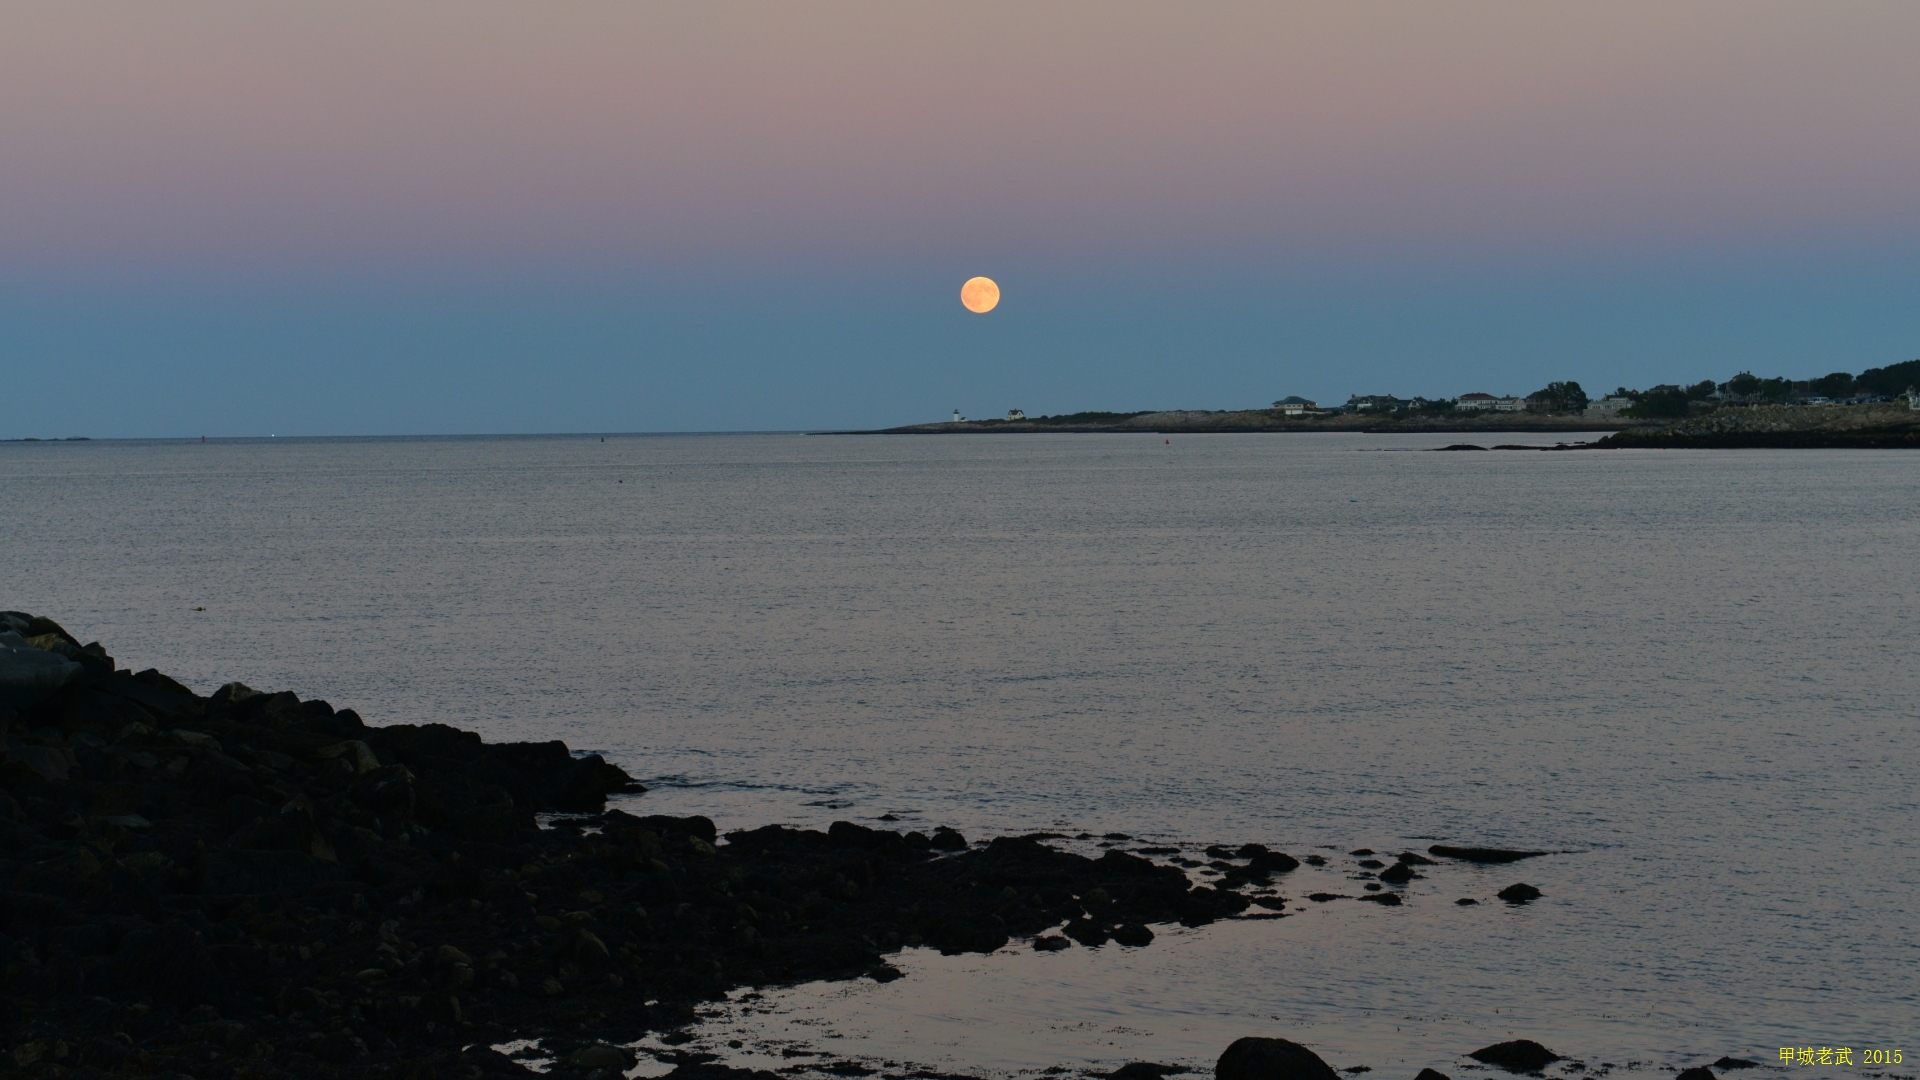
(1359, 403)
(1295, 405)
(1475, 402)
(1611, 405)
(1016, 414)
(1509, 404)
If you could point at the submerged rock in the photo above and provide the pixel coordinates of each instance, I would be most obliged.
(1520, 893)
(1255, 1058)
(1432, 1074)
(1144, 1070)
(1484, 854)
(1698, 1072)
(1735, 1063)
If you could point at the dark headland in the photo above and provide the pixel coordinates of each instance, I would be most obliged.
(1880, 425)
(249, 885)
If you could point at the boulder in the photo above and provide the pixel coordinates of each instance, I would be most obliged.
(1518, 1055)
(1432, 1074)
(1134, 934)
(1397, 874)
(29, 675)
(1519, 894)
(1698, 1072)
(1254, 1058)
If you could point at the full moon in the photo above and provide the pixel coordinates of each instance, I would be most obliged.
(980, 295)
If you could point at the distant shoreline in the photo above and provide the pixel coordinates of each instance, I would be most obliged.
(1266, 420)
(1880, 426)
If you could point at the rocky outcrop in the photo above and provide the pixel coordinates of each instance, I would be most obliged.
(254, 884)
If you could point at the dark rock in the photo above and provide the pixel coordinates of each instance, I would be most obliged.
(1411, 859)
(1387, 899)
(601, 1056)
(1361, 851)
(1519, 894)
(1432, 1074)
(1466, 900)
(1698, 1072)
(1133, 934)
(946, 839)
(1255, 1058)
(1372, 864)
(1276, 862)
(1483, 854)
(1519, 1055)
(1051, 943)
(1316, 860)
(1397, 874)
(1460, 446)
(1735, 1063)
(1087, 932)
(1323, 897)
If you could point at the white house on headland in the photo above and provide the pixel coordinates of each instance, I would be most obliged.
(1475, 402)
(1016, 414)
(1607, 406)
(1295, 405)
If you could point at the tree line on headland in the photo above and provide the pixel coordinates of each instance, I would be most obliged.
(1672, 400)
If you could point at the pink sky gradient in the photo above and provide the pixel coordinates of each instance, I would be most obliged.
(194, 132)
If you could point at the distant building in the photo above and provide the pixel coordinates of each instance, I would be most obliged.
(957, 417)
(1475, 402)
(1509, 404)
(1913, 398)
(1375, 403)
(1296, 406)
(1611, 405)
(1016, 414)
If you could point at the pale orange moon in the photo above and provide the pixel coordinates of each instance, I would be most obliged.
(980, 295)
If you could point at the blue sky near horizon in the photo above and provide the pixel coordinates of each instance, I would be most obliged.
(435, 218)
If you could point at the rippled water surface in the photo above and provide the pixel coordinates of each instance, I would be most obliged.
(1693, 672)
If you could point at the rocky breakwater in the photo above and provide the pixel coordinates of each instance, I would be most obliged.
(251, 885)
(1871, 427)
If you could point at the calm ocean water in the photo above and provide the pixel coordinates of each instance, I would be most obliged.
(1694, 672)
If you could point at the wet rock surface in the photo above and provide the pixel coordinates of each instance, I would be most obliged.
(249, 884)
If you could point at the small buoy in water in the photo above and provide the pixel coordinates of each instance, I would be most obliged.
(1169, 442)
(199, 609)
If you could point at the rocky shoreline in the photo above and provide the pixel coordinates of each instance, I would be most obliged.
(252, 885)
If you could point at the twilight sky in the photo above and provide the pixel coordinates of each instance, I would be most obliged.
(406, 217)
